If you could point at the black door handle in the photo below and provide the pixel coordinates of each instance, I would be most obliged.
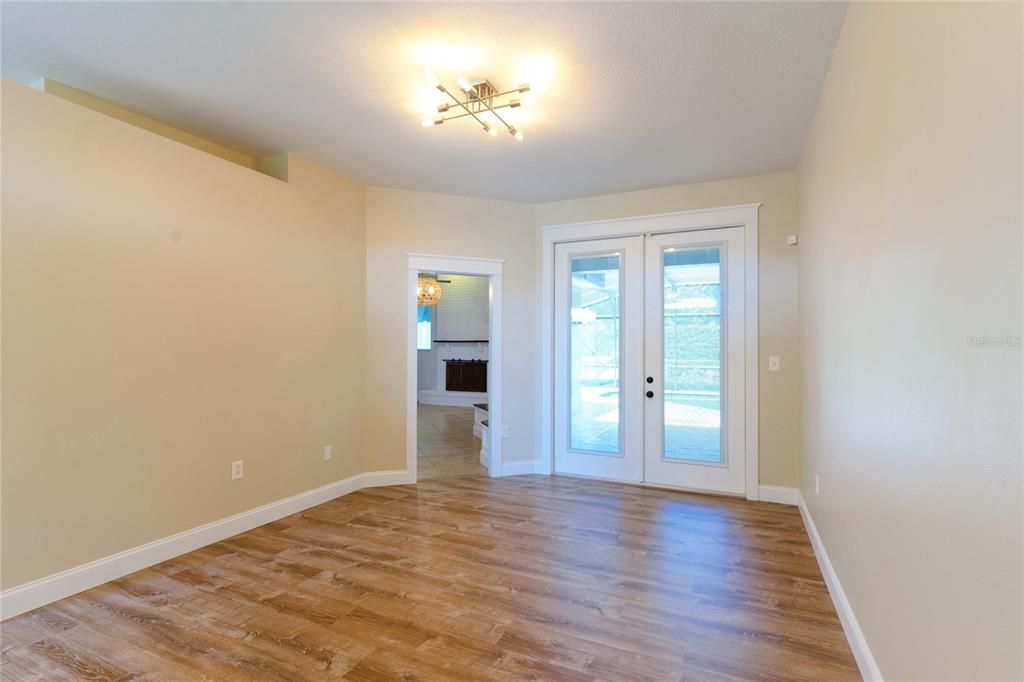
(650, 394)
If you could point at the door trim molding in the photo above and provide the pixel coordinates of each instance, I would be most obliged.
(741, 215)
(456, 265)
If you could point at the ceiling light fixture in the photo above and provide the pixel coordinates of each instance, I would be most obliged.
(482, 98)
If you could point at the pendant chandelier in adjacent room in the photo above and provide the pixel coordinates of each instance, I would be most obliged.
(428, 290)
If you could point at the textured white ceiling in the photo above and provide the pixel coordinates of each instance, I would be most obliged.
(638, 94)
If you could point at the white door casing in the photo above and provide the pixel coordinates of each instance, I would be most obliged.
(743, 217)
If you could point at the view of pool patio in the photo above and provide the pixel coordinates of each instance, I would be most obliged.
(691, 355)
(692, 423)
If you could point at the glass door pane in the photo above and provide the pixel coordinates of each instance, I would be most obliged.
(598, 426)
(594, 354)
(692, 376)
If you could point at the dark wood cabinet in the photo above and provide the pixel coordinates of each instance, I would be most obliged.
(466, 375)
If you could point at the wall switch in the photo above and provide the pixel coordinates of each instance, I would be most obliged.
(328, 452)
(817, 486)
(237, 470)
(504, 432)
(774, 363)
(792, 239)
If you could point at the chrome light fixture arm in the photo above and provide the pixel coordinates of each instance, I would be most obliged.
(464, 105)
(480, 98)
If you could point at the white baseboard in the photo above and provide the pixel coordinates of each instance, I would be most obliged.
(854, 635)
(455, 398)
(778, 494)
(378, 479)
(522, 467)
(32, 595)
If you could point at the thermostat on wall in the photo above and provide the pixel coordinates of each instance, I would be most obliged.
(791, 239)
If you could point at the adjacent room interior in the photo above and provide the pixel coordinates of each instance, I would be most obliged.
(511, 341)
(452, 333)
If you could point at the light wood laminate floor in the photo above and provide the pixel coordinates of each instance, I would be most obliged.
(470, 578)
(445, 444)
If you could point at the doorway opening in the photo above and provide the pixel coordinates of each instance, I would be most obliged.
(454, 371)
(452, 341)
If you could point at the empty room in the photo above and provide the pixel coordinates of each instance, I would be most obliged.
(511, 341)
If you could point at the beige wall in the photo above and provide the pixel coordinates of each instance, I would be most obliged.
(225, 298)
(779, 391)
(164, 313)
(399, 222)
(910, 193)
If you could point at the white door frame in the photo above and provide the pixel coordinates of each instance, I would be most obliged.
(456, 265)
(742, 215)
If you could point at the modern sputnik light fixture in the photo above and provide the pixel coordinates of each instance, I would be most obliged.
(428, 291)
(480, 98)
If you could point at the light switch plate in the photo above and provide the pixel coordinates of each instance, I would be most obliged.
(774, 363)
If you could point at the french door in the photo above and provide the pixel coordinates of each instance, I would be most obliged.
(650, 359)
(599, 346)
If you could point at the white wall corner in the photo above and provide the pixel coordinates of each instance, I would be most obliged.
(778, 494)
(32, 595)
(854, 635)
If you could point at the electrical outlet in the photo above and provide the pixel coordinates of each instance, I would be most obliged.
(817, 484)
(328, 453)
(237, 470)
(774, 363)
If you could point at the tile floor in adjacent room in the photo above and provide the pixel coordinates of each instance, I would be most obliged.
(445, 444)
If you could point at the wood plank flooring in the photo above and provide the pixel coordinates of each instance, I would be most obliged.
(469, 578)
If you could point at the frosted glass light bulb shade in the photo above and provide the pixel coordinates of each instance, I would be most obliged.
(428, 291)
